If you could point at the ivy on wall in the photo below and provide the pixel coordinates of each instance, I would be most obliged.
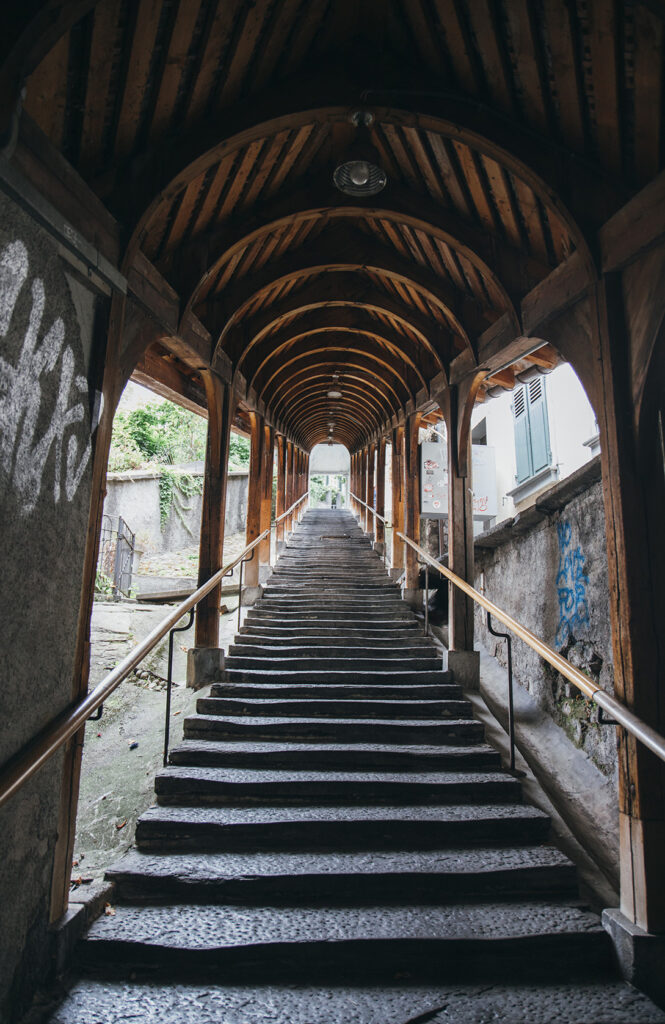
(175, 487)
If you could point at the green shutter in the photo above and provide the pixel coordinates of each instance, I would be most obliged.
(522, 438)
(541, 455)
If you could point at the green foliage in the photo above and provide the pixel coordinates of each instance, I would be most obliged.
(158, 432)
(239, 452)
(171, 484)
(103, 585)
(317, 489)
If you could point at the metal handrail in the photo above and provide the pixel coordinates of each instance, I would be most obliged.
(23, 765)
(622, 715)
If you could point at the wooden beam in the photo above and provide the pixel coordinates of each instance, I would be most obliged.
(636, 227)
(162, 376)
(565, 286)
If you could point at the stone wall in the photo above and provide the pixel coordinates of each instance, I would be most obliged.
(135, 496)
(50, 321)
(548, 568)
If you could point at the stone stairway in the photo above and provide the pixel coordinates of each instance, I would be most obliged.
(333, 840)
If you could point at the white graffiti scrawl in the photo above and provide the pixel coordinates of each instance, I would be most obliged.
(23, 455)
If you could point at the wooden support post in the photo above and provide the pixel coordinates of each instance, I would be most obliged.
(280, 507)
(266, 491)
(255, 495)
(290, 489)
(462, 659)
(221, 410)
(411, 500)
(380, 538)
(369, 486)
(635, 558)
(397, 562)
(352, 485)
(362, 493)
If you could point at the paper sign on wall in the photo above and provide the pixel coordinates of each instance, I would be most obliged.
(434, 481)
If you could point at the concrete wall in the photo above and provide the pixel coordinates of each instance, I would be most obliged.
(548, 568)
(135, 496)
(49, 320)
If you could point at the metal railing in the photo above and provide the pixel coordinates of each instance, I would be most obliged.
(23, 765)
(621, 714)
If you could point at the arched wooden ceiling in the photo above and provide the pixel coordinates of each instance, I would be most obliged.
(509, 131)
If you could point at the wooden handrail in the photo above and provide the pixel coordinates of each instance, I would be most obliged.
(372, 510)
(621, 714)
(32, 756)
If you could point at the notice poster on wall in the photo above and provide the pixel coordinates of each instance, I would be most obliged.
(434, 481)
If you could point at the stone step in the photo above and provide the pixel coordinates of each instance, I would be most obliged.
(226, 942)
(384, 631)
(187, 784)
(349, 649)
(248, 675)
(405, 645)
(339, 827)
(354, 878)
(347, 663)
(116, 1002)
(344, 708)
(333, 691)
(334, 730)
(271, 624)
(335, 756)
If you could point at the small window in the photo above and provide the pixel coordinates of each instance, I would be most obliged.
(532, 434)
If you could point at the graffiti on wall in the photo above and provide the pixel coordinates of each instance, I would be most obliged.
(36, 418)
(571, 584)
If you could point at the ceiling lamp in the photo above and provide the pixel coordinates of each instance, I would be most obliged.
(360, 172)
(334, 394)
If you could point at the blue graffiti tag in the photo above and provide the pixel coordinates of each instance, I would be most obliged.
(571, 584)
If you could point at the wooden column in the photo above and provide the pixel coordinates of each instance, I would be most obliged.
(352, 482)
(635, 559)
(255, 495)
(380, 538)
(289, 484)
(221, 409)
(365, 519)
(281, 485)
(460, 523)
(411, 498)
(398, 497)
(266, 491)
(369, 485)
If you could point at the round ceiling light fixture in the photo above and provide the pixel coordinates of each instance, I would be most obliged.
(360, 172)
(334, 394)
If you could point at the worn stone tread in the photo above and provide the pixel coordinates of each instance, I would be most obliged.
(355, 708)
(347, 730)
(321, 691)
(196, 933)
(117, 1002)
(326, 755)
(276, 877)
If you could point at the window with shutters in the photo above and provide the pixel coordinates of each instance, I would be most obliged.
(532, 434)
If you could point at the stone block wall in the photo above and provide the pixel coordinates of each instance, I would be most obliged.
(548, 568)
